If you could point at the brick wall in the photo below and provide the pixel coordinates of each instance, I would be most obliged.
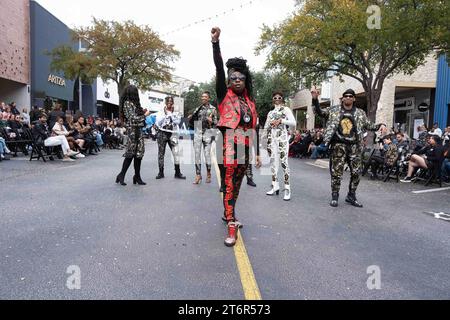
(15, 40)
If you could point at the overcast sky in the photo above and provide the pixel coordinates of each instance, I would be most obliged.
(240, 29)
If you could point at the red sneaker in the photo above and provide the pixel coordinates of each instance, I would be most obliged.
(230, 241)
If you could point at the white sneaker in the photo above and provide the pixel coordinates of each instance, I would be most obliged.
(80, 156)
(287, 194)
(72, 153)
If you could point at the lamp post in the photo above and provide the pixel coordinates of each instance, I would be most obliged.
(80, 84)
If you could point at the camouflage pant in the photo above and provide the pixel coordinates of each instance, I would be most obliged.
(249, 171)
(342, 154)
(278, 150)
(165, 138)
(199, 141)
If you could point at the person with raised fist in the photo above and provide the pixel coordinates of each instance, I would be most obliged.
(238, 120)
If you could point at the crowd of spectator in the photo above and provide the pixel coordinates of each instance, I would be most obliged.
(429, 152)
(76, 135)
(308, 143)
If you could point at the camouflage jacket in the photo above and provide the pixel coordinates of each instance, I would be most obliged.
(391, 155)
(333, 117)
(202, 114)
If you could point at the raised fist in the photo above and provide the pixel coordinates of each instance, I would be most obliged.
(215, 34)
(315, 94)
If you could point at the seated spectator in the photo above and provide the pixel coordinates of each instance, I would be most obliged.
(17, 126)
(401, 142)
(318, 148)
(84, 132)
(446, 136)
(112, 141)
(95, 131)
(7, 113)
(2, 107)
(387, 157)
(74, 134)
(60, 130)
(3, 121)
(54, 114)
(120, 132)
(421, 140)
(14, 109)
(34, 114)
(26, 117)
(446, 163)
(303, 147)
(43, 136)
(4, 151)
(436, 130)
(294, 143)
(426, 158)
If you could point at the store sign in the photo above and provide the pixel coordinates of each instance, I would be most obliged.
(56, 80)
(423, 107)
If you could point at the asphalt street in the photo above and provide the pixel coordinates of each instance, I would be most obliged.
(165, 240)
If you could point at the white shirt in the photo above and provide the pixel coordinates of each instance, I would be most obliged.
(165, 119)
(438, 132)
(288, 121)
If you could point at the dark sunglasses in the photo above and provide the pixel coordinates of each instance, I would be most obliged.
(277, 98)
(348, 96)
(234, 78)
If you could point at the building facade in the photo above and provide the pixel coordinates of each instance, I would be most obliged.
(15, 52)
(107, 100)
(48, 33)
(399, 102)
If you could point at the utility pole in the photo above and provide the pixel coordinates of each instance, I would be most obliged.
(80, 85)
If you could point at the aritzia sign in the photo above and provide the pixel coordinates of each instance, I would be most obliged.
(56, 80)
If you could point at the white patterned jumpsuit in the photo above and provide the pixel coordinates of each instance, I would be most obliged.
(278, 142)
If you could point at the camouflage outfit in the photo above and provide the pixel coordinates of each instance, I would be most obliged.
(344, 134)
(203, 135)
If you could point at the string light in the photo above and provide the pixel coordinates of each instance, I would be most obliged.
(249, 3)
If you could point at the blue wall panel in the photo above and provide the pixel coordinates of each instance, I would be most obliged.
(442, 93)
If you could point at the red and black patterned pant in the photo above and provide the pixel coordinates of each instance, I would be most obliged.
(233, 172)
(233, 181)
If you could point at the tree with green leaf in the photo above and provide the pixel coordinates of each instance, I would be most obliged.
(122, 52)
(341, 37)
(192, 98)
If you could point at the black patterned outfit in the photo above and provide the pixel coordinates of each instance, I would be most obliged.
(134, 122)
(167, 124)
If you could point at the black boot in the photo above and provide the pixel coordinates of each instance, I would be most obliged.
(334, 199)
(160, 174)
(178, 174)
(137, 172)
(250, 182)
(121, 177)
(351, 198)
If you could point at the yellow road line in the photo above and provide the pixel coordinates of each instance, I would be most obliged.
(248, 280)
